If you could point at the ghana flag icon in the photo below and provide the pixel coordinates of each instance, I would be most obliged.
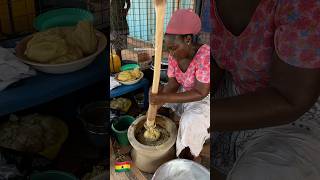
(122, 166)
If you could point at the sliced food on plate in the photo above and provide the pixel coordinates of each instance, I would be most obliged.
(129, 76)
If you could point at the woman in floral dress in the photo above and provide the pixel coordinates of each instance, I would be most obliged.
(187, 91)
(267, 122)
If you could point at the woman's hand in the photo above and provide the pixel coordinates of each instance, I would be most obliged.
(156, 99)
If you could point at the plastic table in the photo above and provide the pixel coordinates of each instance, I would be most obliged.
(124, 89)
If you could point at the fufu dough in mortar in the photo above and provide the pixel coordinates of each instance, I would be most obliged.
(164, 135)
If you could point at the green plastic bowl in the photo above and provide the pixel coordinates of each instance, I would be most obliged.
(61, 18)
(129, 67)
(53, 175)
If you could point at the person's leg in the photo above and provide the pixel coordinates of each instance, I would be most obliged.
(192, 132)
(277, 156)
(223, 150)
(186, 154)
(122, 43)
(119, 42)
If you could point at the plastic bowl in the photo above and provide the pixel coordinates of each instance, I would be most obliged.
(129, 67)
(61, 17)
(181, 169)
(65, 67)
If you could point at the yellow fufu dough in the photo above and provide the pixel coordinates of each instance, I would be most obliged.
(44, 47)
(84, 36)
(62, 44)
(135, 73)
(129, 75)
(73, 54)
(124, 76)
(151, 134)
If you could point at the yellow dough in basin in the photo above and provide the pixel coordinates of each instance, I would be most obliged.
(44, 47)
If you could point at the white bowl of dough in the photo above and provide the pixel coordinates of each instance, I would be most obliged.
(181, 169)
(61, 66)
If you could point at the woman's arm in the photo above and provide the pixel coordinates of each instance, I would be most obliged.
(200, 91)
(292, 92)
(171, 87)
(217, 75)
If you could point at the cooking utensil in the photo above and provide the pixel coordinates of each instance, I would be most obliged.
(95, 119)
(160, 7)
(180, 169)
(163, 73)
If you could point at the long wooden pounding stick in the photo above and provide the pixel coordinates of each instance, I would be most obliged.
(160, 7)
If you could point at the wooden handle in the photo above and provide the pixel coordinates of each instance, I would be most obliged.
(160, 13)
(151, 116)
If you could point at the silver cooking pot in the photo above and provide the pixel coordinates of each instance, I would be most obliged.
(181, 169)
(164, 69)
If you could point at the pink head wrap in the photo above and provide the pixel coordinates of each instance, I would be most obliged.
(184, 21)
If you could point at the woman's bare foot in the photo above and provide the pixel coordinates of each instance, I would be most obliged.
(197, 159)
(186, 154)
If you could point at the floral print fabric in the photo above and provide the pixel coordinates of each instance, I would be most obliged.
(291, 28)
(199, 69)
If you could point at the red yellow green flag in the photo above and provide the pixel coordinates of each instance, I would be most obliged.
(122, 166)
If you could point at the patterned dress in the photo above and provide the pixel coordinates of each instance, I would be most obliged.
(199, 68)
(291, 28)
(195, 116)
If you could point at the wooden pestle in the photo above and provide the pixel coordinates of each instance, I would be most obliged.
(160, 12)
(160, 6)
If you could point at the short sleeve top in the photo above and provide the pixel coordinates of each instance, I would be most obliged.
(291, 28)
(199, 69)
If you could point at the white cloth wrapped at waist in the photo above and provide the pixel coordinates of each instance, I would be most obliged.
(193, 126)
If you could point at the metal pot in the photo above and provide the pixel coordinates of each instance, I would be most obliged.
(181, 169)
(94, 117)
(164, 69)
